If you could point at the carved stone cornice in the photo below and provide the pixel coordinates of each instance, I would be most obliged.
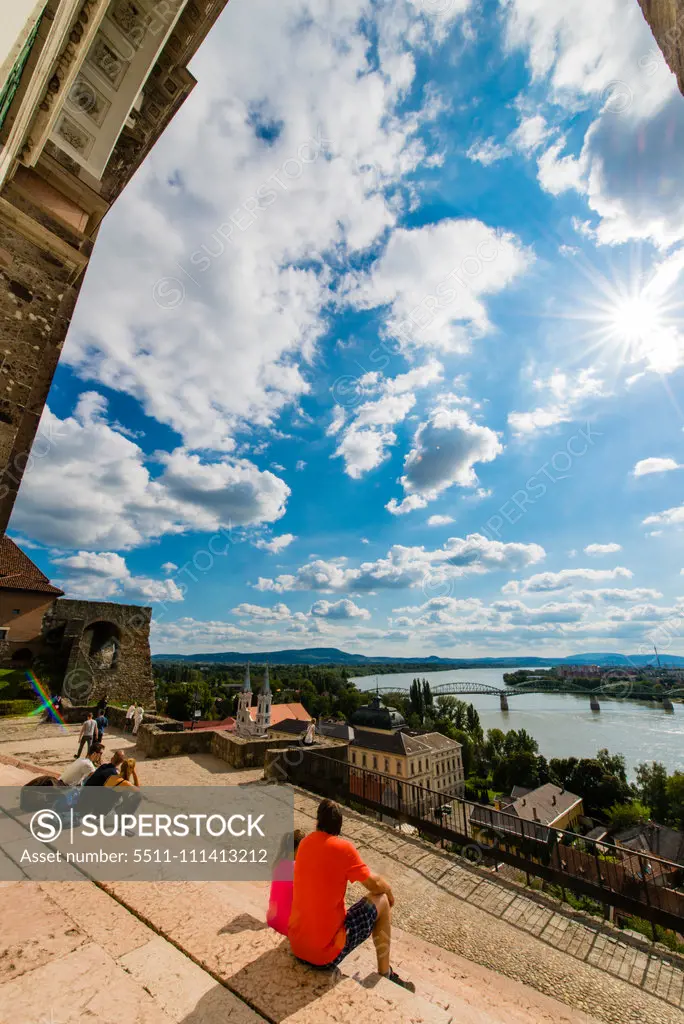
(71, 56)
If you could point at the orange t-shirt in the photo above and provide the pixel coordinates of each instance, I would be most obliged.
(323, 866)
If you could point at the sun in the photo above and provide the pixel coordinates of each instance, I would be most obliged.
(637, 319)
(638, 327)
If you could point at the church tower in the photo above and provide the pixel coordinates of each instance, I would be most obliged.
(245, 725)
(264, 700)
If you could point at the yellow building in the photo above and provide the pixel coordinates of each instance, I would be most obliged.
(383, 743)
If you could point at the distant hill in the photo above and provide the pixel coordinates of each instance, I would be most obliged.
(333, 656)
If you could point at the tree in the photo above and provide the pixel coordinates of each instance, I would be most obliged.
(520, 768)
(613, 764)
(599, 790)
(417, 700)
(472, 720)
(180, 700)
(675, 796)
(651, 788)
(622, 816)
(428, 703)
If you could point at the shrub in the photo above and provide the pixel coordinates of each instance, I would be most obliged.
(17, 707)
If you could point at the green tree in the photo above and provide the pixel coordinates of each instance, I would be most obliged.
(613, 764)
(675, 797)
(622, 816)
(417, 700)
(651, 788)
(520, 768)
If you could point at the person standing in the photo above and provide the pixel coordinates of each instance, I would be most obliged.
(102, 722)
(321, 933)
(129, 718)
(137, 718)
(87, 735)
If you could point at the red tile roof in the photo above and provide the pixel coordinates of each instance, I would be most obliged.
(281, 712)
(17, 571)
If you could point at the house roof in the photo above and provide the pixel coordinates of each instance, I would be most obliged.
(545, 804)
(657, 840)
(17, 571)
(403, 742)
(282, 712)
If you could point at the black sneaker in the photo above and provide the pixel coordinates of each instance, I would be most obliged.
(393, 976)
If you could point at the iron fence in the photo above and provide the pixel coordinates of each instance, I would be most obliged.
(635, 883)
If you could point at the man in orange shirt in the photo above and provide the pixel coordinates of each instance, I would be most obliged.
(321, 932)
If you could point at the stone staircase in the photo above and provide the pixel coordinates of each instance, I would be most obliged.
(221, 927)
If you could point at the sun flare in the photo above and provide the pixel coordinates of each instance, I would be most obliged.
(637, 318)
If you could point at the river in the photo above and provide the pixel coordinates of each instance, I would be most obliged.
(563, 725)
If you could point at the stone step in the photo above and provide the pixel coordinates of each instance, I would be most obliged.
(221, 926)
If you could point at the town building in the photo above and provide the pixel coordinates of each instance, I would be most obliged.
(383, 743)
(254, 722)
(88, 650)
(86, 89)
(531, 812)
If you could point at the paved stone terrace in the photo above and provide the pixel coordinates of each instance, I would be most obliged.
(460, 911)
(441, 902)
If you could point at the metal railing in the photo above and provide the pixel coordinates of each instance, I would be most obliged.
(635, 883)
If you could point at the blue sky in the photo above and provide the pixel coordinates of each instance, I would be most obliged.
(381, 349)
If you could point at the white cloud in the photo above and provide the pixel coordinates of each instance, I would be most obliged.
(169, 567)
(487, 152)
(654, 465)
(566, 395)
(626, 166)
(602, 549)
(530, 134)
(440, 520)
(409, 567)
(669, 517)
(434, 279)
(559, 173)
(105, 576)
(564, 579)
(226, 277)
(276, 544)
(365, 442)
(94, 490)
(301, 464)
(446, 447)
(340, 610)
(278, 613)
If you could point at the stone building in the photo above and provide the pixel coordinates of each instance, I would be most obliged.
(383, 743)
(86, 89)
(90, 650)
(666, 18)
(251, 723)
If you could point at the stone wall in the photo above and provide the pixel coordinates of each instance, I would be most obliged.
(666, 18)
(92, 631)
(295, 762)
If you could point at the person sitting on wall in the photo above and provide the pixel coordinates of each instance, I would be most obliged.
(321, 934)
(78, 771)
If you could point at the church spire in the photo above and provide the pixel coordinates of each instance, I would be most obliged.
(267, 682)
(247, 685)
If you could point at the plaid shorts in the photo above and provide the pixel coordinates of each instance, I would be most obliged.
(358, 924)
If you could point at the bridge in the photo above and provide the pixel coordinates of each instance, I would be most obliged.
(616, 688)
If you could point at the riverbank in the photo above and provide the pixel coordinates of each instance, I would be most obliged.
(563, 724)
